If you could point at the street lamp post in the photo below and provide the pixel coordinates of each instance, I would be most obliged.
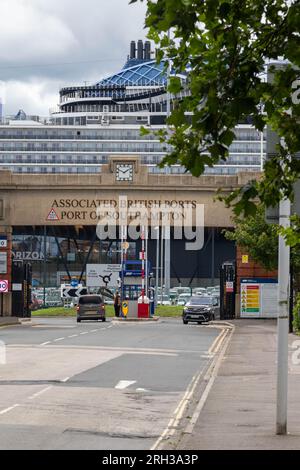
(167, 259)
(283, 320)
(167, 270)
(162, 262)
(157, 265)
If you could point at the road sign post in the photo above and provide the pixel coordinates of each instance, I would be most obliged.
(283, 320)
(3, 290)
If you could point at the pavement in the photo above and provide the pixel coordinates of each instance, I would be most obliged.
(239, 412)
(4, 321)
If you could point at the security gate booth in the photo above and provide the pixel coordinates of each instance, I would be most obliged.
(131, 277)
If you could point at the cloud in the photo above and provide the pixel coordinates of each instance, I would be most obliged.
(49, 44)
(27, 33)
(34, 97)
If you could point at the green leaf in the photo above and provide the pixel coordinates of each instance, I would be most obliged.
(227, 136)
(144, 131)
(175, 85)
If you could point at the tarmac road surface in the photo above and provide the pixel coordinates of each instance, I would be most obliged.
(96, 385)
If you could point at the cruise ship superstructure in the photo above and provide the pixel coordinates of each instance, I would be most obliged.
(93, 122)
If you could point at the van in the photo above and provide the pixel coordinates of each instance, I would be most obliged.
(90, 307)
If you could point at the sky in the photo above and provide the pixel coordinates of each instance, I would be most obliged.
(48, 44)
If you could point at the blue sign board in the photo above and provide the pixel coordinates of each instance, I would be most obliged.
(3, 241)
(259, 280)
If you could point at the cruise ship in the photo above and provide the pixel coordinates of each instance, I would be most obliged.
(91, 123)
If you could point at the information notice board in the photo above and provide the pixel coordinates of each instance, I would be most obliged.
(259, 298)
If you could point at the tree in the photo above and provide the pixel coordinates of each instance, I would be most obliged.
(257, 237)
(261, 240)
(225, 45)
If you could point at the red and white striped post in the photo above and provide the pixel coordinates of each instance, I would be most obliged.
(143, 262)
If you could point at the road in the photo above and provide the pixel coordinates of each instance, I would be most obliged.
(96, 385)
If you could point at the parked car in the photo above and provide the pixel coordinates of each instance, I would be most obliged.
(163, 300)
(199, 291)
(199, 309)
(35, 302)
(216, 295)
(183, 299)
(173, 296)
(183, 290)
(209, 290)
(90, 307)
(216, 289)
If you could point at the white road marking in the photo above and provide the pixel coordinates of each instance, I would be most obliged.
(93, 331)
(8, 409)
(65, 380)
(85, 333)
(58, 339)
(124, 384)
(171, 352)
(49, 327)
(73, 336)
(44, 344)
(39, 393)
(141, 390)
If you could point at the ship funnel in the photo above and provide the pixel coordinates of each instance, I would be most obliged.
(132, 50)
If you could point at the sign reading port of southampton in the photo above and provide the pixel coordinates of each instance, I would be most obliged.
(103, 275)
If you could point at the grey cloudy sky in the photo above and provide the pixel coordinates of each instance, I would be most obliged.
(38, 36)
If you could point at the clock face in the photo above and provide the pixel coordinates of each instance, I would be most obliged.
(124, 172)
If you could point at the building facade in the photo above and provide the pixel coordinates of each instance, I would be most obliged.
(55, 229)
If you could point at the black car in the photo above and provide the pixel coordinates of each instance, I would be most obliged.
(199, 309)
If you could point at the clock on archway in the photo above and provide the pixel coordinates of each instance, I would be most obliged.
(124, 172)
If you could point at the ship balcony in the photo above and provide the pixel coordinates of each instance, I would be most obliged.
(80, 99)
